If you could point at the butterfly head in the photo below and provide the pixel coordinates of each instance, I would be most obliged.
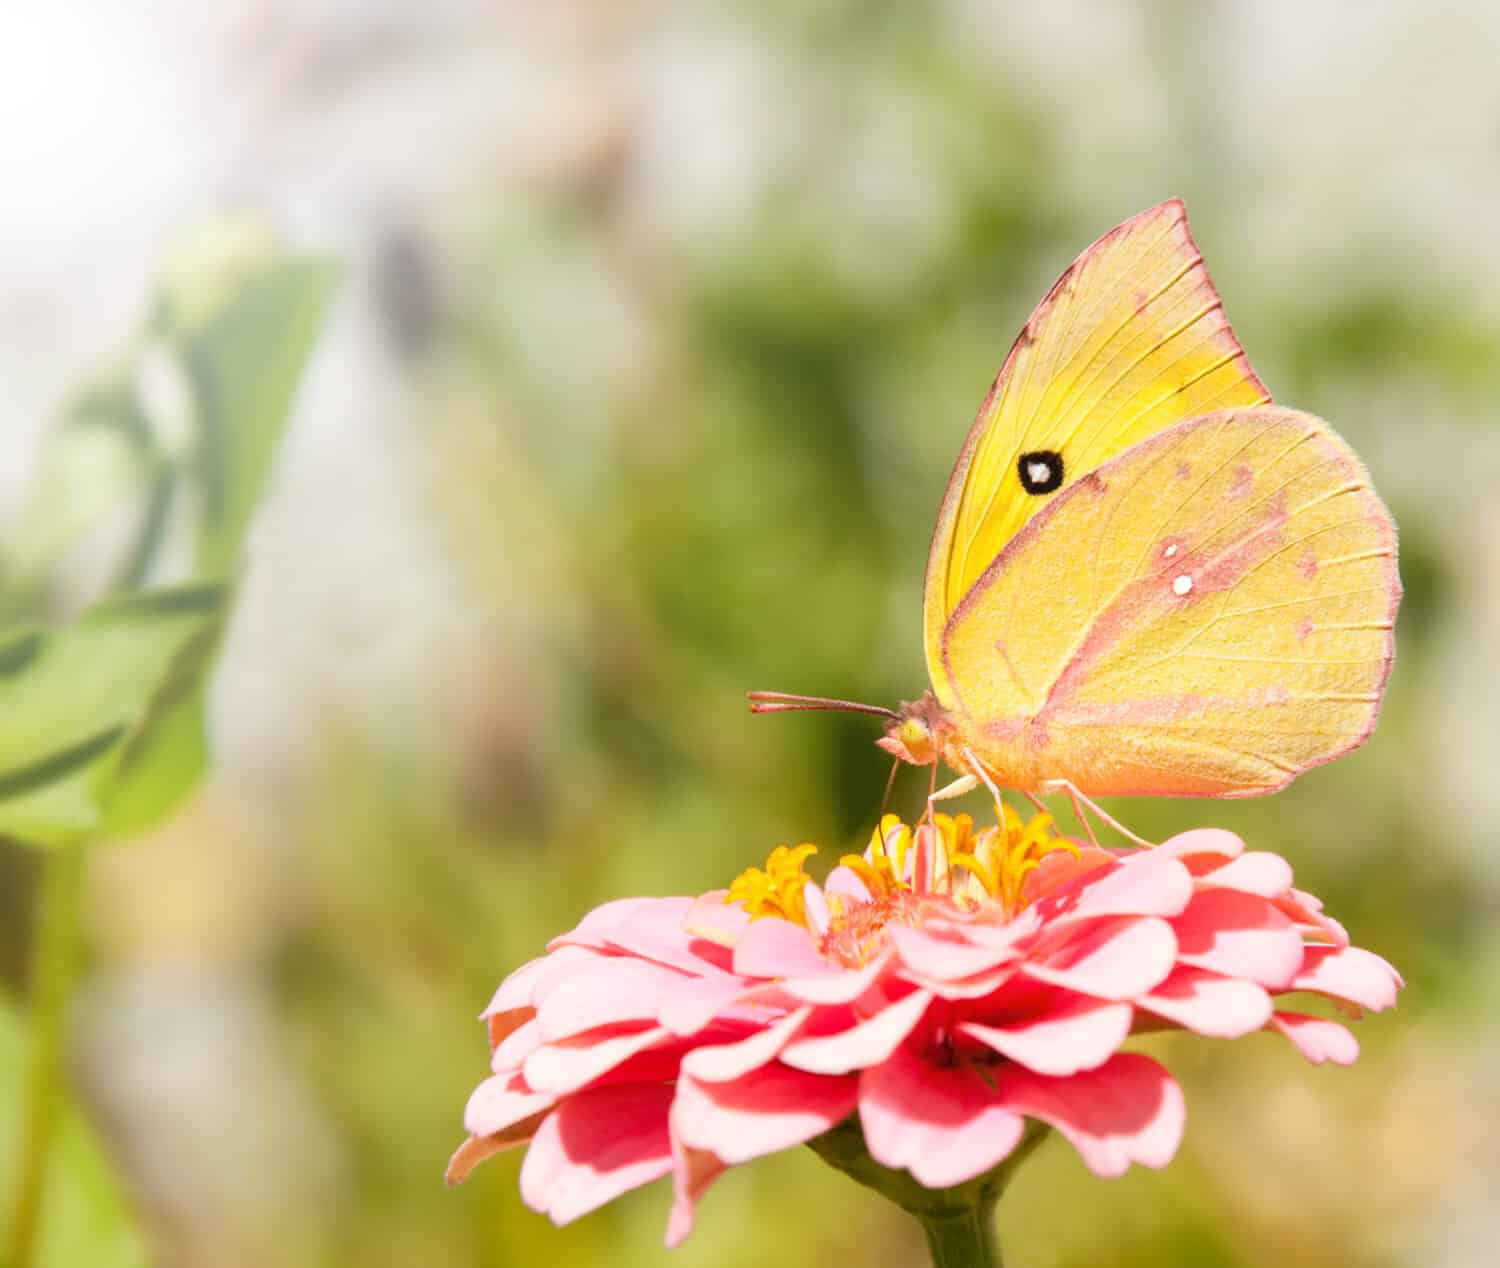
(920, 732)
(916, 733)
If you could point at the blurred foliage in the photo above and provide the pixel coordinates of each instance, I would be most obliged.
(87, 706)
(668, 470)
(104, 727)
(88, 1220)
(104, 716)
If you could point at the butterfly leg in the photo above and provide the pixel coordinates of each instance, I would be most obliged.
(1081, 802)
(960, 786)
(889, 784)
(966, 783)
(1078, 814)
(978, 772)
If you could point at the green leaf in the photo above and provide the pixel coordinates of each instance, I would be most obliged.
(162, 758)
(225, 347)
(101, 719)
(93, 466)
(245, 364)
(87, 1219)
(101, 722)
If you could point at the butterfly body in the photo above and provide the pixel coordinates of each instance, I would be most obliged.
(1146, 578)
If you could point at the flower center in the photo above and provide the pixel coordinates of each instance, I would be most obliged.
(939, 868)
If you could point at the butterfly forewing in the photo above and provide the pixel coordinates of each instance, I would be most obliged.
(1131, 340)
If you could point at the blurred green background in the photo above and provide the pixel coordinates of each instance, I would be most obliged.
(658, 329)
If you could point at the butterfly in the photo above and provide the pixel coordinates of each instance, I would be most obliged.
(1146, 578)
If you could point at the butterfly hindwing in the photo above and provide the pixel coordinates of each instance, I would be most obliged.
(1207, 614)
(1132, 339)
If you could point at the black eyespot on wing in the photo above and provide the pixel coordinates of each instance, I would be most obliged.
(1041, 470)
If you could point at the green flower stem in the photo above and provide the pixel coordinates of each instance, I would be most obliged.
(54, 969)
(965, 1239)
(959, 1222)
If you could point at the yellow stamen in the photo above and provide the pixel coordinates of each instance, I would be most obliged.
(981, 872)
(961, 867)
(1024, 846)
(777, 891)
(874, 881)
(893, 852)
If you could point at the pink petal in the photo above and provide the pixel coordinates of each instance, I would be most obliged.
(1317, 1038)
(693, 1003)
(518, 990)
(943, 1124)
(1128, 1110)
(1060, 869)
(657, 932)
(1113, 958)
(978, 987)
(771, 947)
(594, 929)
(649, 928)
(919, 858)
(818, 914)
(1239, 935)
(693, 1170)
(1207, 1004)
(842, 987)
(516, 1047)
(714, 920)
(1350, 973)
(615, 990)
(1145, 884)
(502, 1101)
(596, 1146)
(1306, 910)
(846, 884)
(507, 1013)
(725, 1062)
(1005, 939)
(1079, 1034)
(503, 1025)
(944, 958)
(661, 1063)
(773, 1108)
(570, 1064)
(1201, 842)
(1256, 872)
(1007, 936)
(861, 1046)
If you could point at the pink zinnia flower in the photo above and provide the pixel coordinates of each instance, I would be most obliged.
(945, 987)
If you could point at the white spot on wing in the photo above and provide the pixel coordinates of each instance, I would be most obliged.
(1170, 550)
(1182, 584)
(1040, 472)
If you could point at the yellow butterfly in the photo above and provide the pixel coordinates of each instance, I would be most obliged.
(1145, 578)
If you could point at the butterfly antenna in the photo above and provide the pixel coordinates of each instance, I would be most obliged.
(782, 702)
